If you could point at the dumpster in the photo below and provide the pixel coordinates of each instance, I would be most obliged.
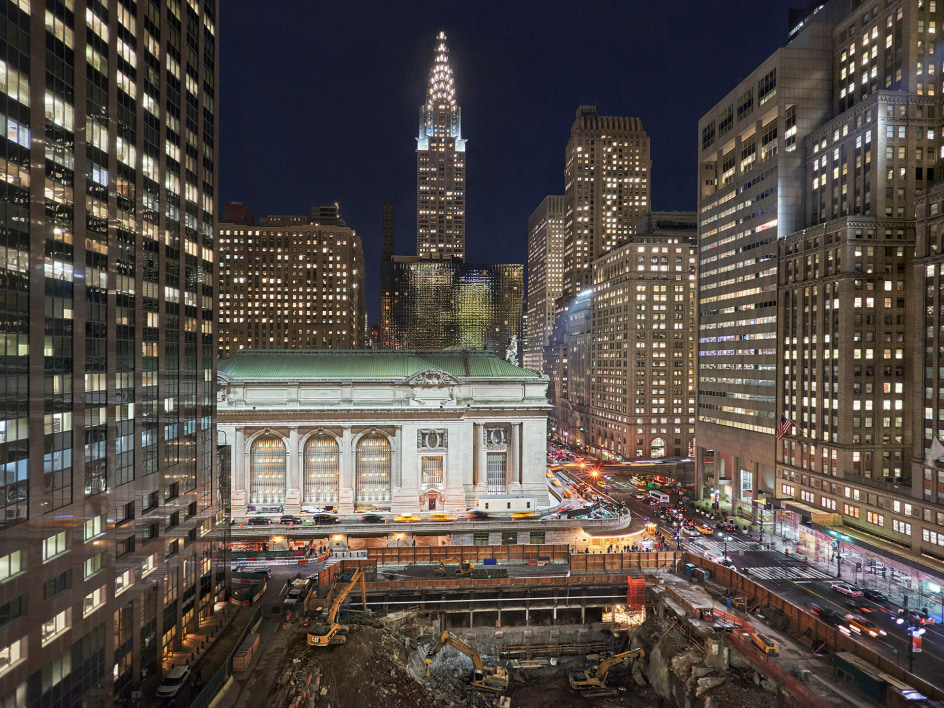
(690, 569)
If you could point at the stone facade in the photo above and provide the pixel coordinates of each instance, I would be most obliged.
(420, 439)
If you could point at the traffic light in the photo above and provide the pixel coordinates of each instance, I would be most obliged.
(858, 566)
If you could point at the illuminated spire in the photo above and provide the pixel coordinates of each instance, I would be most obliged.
(442, 88)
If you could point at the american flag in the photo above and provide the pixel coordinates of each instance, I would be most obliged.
(784, 427)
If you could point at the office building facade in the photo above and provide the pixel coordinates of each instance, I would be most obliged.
(545, 277)
(109, 548)
(440, 165)
(292, 282)
(752, 192)
(606, 186)
(431, 304)
(642, 380)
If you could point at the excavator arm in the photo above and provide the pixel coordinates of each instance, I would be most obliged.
(449, 638)
(607, 664)
(491, 678)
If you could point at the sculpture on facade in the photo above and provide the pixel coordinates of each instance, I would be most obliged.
(511, 354)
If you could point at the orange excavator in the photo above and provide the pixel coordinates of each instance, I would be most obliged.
(330, 632)
(592, 682)
(484, 678)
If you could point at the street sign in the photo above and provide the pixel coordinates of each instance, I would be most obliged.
(916, 645)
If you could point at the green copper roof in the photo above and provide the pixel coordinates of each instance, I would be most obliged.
(297, 364)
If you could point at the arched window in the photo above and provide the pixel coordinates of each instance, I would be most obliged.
(372, 483)
(322, 460)
(657, 449)
(267, 470)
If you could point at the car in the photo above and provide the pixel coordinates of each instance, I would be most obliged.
(693, 532)
(567, 494)
(406, 518)
(830, 617)
(373, 519)
(441, 516)
(174, 681)
(325, 519)
(846, 589)
(259, 521)
(873, 595)
(730, 528)
(556, 482)
(477, 515)
(858, 623)
(550, 475)
(525, 515)
(290, 520)
(639, 495)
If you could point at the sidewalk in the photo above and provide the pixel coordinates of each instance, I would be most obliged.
(205, 651)
(897, 595)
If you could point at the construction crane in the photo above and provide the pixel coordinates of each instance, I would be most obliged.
(484, 678)
(330, 632)
(465, 567)
(592, 681)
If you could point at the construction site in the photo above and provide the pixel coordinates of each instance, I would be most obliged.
(538, 627)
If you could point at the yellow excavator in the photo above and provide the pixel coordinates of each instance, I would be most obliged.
(484, 678)
(465, 567)
(330, 632)
(592, 681)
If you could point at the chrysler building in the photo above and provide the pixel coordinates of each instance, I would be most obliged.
(440, 166)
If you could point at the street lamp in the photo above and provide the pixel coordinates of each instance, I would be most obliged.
(725, 539)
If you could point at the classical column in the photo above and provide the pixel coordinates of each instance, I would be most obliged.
(346, 470)
(239, 487)
(514, 455)
(396, 458)
(293, 495)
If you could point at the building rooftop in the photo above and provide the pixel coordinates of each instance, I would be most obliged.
(365, 364)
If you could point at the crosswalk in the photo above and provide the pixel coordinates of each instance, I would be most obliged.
(718, 547)
(796, 572)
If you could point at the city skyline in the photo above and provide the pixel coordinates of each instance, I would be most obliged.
(518, 92)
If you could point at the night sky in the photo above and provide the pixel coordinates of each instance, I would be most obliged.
(319, 101)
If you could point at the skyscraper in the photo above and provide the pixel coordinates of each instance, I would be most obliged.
(109, 549)
(440, 166)
(432, 304)
(751, 193)
(545, 277)
(642, 393)
(606, 186)
(292, 282)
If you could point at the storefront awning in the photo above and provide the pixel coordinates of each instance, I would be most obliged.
(814, 515)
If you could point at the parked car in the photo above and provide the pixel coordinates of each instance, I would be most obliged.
(259, 521)
(846, 589)
(173, 682)
(873, 595)
(290, 520)
(325, 519)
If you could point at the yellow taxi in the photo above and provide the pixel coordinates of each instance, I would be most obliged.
(556, 482)
(441, 516)
(550, 475)
(406, 518)
(525, 515)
